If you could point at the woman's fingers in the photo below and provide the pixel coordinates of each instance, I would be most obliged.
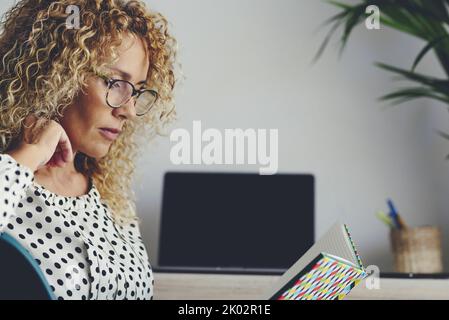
(65, 148)
(56, 160)
(59, 160)
(51, 139)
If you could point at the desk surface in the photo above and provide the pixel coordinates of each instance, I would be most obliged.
(177, 286)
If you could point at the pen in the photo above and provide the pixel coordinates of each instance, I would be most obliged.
(385, 219)
(397, 220)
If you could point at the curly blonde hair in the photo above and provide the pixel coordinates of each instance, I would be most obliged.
(45, 65)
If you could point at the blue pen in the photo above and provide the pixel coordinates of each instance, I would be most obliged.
(393, 213)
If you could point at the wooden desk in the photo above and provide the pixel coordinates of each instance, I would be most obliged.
(175, 286)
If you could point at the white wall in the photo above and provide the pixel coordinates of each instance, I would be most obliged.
(247, 65)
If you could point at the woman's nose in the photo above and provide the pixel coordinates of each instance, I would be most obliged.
(127, 110)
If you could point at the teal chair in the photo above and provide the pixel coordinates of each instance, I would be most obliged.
(20, 275)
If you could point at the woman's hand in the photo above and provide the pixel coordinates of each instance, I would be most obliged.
(44, 143)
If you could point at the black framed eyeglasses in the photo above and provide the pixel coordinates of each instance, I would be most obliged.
(121, 91)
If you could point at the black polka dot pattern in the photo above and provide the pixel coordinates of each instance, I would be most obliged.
(84, 252)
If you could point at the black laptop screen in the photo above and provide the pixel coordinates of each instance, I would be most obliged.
(243, 221)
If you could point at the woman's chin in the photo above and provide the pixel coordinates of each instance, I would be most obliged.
(99, 152)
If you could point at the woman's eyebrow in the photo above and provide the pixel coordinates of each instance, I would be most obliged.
(127, 76)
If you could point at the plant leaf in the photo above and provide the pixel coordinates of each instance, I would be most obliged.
(403, 95)
(427, 48)
(354, 17)
(439, 85)
(329, 35)
(443, 134)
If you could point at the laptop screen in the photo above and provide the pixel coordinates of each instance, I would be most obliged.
(235, 221)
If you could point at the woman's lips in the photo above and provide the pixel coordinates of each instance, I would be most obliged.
(110, 134)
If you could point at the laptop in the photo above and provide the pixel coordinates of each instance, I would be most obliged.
(235, 223)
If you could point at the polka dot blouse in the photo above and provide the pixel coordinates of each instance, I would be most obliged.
(83, 251)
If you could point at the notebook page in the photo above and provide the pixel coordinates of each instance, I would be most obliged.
(334, 242)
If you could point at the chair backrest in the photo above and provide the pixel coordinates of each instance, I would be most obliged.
(20, 275)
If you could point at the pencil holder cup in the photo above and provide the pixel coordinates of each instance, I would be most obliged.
(417, 250)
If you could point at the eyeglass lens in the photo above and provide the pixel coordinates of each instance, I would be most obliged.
(120, 92)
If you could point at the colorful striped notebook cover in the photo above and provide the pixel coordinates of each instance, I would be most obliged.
(328, 271)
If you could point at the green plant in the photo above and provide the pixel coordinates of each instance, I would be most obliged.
(427, 20)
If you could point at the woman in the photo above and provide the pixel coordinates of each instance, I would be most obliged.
(73, 104)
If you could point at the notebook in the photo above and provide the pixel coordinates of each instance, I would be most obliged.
(329, 270)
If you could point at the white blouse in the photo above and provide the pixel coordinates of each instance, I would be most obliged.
(80, 247)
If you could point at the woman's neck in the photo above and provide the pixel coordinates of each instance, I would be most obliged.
(65, 181)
